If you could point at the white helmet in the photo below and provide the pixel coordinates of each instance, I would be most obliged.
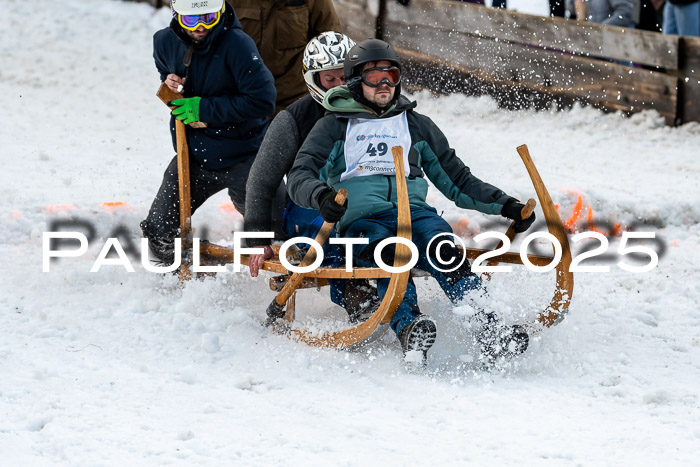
(327, 51)
(196, 7)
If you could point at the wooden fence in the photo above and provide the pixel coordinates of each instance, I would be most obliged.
(525, 60)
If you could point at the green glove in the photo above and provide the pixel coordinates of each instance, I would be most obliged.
(187, 109)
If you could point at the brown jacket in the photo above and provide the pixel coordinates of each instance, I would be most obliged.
(281, 29)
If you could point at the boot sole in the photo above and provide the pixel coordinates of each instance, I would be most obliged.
(422, 336)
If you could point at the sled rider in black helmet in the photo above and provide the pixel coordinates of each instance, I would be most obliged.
(350, 148)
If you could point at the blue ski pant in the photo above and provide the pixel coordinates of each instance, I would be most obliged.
(425, 224)
(303, 222)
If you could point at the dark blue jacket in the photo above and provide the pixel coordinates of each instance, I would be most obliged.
(237, 90)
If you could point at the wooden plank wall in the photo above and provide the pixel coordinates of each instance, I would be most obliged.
(532, 60)
(689, 107)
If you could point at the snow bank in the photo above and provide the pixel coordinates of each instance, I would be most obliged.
(116, 367)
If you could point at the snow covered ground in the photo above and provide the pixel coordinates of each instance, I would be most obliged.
(115, 367)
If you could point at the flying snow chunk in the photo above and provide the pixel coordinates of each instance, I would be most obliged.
(185, 435)
(188, 375)
(414, 356)
(210, 343)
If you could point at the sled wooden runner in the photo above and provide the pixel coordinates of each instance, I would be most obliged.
(552, 314)
(564, 289)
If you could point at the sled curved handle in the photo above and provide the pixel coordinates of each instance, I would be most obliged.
(525, 213)
(565, 278)
(528, 209)
(167, 95)
(277, 305)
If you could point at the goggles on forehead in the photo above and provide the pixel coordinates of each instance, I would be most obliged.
(192, 22)
(375, 77)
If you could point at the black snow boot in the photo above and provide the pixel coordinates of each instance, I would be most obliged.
(497, 340)
(419, 335)
(361, 300)
(162, 247)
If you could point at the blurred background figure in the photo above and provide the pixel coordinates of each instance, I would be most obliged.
(557, 8)
(682, 17)
(281, 30)
(608, 12)
(651, 15)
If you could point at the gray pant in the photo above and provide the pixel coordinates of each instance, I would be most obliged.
(163, 221)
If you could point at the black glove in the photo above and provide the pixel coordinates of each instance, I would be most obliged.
(330, 210)
(512, 210)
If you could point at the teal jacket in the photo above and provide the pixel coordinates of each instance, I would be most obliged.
(321, 161)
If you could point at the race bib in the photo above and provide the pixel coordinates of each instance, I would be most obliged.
(368, 144)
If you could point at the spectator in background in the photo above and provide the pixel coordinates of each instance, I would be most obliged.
(651, 16)
(608, 12)
(557, 8)
(281, 30)
(682, 17)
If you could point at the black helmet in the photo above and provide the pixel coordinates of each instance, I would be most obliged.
(369, 50)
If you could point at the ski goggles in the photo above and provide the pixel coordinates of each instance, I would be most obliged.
(192, 22)
(375, 77)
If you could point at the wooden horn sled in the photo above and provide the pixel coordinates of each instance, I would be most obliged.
(286, 286)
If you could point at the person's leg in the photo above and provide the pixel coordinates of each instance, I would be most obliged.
(454, 281)
(303, 222)
(235, 178)
(163, 222)
(688, 19)
(376, 229)
(670, 26)
(495, 339)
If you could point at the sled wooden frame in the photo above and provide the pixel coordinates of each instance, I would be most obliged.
(551, 315)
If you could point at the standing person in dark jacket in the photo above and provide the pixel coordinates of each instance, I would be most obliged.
(351, 149)
(322, 69)
(281, 30)
(206, 56)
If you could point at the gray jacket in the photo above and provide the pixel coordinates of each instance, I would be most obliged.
(264, 206)
(609, 12)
